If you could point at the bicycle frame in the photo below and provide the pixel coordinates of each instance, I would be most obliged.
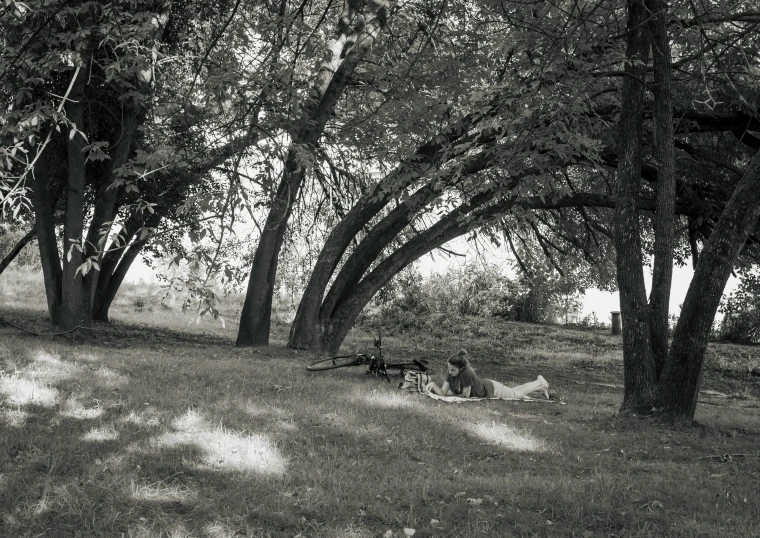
(376, 364)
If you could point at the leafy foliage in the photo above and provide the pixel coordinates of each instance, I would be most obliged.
(741, 312)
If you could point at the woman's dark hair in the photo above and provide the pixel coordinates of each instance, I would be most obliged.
(459, 360)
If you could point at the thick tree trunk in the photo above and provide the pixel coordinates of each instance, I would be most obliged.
(306, 325)
(677, 393)
(74, 310)
(255, 318)
(17, 248)
(664, 223)
(46, 236)
(330, 82)
(638, 359)
(105, 201)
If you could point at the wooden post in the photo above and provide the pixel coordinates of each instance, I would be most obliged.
(617, 327)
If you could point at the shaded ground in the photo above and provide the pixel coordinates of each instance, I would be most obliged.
(165, 431)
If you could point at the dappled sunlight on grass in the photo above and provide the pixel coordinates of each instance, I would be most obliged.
(141, 419)
(86, 356)
(17, 390)
(13, 417)
(255, 409)
(73, 408)
(50, 368)
(217, 529)
(385, 399)
(507, 437)
(111, 378)
(160, 492)
(159, 530)
(103, 433)
(223, 449)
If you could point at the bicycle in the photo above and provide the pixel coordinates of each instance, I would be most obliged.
(377, 365)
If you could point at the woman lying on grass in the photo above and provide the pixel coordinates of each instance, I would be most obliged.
(462, 381)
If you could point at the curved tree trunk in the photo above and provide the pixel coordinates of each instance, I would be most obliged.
(638, 362)
(306, 326)
(116, 264)
(104, 297)
(331, 81)
(17, 248)
(389, 227)
(446, 229)
(665, 223)
(677, 393)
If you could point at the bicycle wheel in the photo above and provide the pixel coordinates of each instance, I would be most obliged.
(341, 361)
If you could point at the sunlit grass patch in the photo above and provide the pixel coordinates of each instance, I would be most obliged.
(217, 529)
(73, 408)
(13, 417)
(160, 529)
(111, 378)
(50, 367)
(384, 398)
(506, 436)
(101, 433)
(18, 390)
(255, 409)
(224, 449)
(86, 356)
(141, 419)
(160, 492)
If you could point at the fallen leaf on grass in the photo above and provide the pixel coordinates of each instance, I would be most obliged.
(434, 522)
(475, 501)
(388, 534)
(409, 532)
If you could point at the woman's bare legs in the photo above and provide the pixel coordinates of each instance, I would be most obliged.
(539, 385)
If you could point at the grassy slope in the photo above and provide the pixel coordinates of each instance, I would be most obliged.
(168, 430)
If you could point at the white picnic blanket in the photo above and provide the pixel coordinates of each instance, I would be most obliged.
(458, 399)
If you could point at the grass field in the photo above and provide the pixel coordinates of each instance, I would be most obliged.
(158, 428)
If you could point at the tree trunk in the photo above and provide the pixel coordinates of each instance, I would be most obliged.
(116, 263)
(74, 309)
(105, 202)
(330, 82)
(664, 223)
(46, 236)
(638, 359)
(17, 248)
(306, 325)
(677, 393)
(104, 297)
(451, 226)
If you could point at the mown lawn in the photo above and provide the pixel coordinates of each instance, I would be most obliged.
(169, 430)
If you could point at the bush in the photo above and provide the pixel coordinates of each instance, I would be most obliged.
(410, 301)
(741, 312)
